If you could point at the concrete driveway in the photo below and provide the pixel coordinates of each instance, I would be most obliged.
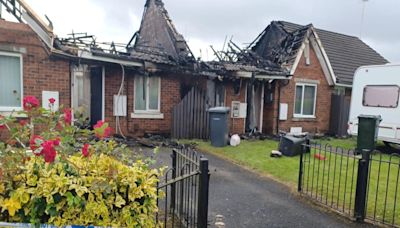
(246, 199)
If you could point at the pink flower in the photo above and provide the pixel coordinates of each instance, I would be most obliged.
(102, 130)
(85, 150)
(30, 102)
(52, 100)
(68, 116)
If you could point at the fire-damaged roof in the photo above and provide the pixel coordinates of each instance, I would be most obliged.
(157, 39)
(281, 41)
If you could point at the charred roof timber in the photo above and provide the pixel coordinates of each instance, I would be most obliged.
(158, 36)
(281, 41)
(236, 59)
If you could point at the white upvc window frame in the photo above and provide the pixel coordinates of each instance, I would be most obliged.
(11, 109)
(296, 115)
(148, 110)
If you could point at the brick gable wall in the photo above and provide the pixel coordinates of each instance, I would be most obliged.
(323, 101)
(40, 71)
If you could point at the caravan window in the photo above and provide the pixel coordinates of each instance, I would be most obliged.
(386, 96)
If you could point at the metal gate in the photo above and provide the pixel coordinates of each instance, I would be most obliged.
(190, 118)
(185, 188)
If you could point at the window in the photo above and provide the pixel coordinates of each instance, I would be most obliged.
(147, 94)
(11, 81)
(386, 96)
(305, 100)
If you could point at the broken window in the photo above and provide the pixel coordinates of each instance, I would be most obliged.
(81, 90)
(305, 99)
(11, 81)
(147, 94)
(386, 96)
(219, 94)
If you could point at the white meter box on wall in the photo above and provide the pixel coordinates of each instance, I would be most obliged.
(120, 104)
(238, 110)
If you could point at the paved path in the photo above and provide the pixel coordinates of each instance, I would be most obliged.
(246, 199)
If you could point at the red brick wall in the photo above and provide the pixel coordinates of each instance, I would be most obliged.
(323, 103)
(40, 72)
(236, 125)
(270, 113)
(170, 96)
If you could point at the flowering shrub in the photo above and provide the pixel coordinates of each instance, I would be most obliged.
(66, 175)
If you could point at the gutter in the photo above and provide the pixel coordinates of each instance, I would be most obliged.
(274, 77)
(344, 85)
(90, 56)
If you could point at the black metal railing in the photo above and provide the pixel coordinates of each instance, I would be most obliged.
(364, 187)
(328, 175)
(382, 195)
(184, 191)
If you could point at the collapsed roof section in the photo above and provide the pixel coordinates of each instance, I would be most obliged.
(157, 42)
(282, 41)
(158, 38)
(245, 63)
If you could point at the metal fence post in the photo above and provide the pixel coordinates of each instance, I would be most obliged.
(300, 182)
(173, 185)
(362, 184)
(202, 206)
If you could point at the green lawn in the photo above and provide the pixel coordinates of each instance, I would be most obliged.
(331, 181)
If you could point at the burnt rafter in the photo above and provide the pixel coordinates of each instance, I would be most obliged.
(237, 58)
(281, 42)
(158, 36)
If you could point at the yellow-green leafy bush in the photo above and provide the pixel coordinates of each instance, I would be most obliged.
(97, 191)
(71, 176)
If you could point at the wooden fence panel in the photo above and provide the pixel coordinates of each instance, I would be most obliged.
(190, 117)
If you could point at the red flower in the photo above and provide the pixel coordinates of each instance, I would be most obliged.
(30, 102)
(23, 122)
(52, 100)
(85, 150)
(2, 126)
(48, 152)
(35, 142)
(56, 142)
(68, 116)
(102, 130)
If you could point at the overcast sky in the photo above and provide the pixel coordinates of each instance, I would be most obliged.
(208, 22)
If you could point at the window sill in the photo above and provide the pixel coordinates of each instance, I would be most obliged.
(307, 119)
(13, 114)
(147, 115)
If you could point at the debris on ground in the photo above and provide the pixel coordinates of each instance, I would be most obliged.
(256, 136)
(319, 157)
(276, 154)
(235, 140)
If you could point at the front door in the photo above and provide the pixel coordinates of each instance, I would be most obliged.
(87, 94)
(96, 99)
(255, 105)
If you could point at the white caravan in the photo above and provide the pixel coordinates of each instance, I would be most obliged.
(376, 91)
